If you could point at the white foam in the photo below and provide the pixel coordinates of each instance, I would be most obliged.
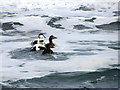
(38, 68)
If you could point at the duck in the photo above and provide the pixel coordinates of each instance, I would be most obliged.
(49, 45)
(38, 44)
(39, 39)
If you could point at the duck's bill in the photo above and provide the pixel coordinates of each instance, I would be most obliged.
(44, 36)
(55, 38)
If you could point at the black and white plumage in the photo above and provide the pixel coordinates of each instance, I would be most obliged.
(38, 40)
(38, 47)
(38, 44)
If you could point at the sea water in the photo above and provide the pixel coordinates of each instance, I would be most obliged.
(86, 51)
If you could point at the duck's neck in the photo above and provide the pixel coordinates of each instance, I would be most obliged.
(50, 40)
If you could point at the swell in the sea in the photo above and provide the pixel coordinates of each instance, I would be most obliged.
(101, 79)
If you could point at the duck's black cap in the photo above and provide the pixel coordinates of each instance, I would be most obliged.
(41, 34)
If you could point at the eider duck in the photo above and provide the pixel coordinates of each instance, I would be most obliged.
(49, 45)
(36, 41)
(38, 44)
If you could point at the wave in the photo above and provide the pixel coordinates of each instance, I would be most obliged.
(99, 79)
(111, 26)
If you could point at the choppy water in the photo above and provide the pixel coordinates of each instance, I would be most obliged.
(108, 78)
(86, 52)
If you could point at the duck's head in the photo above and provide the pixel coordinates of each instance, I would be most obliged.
(41, 36)
(52, 37)
(51, 44)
